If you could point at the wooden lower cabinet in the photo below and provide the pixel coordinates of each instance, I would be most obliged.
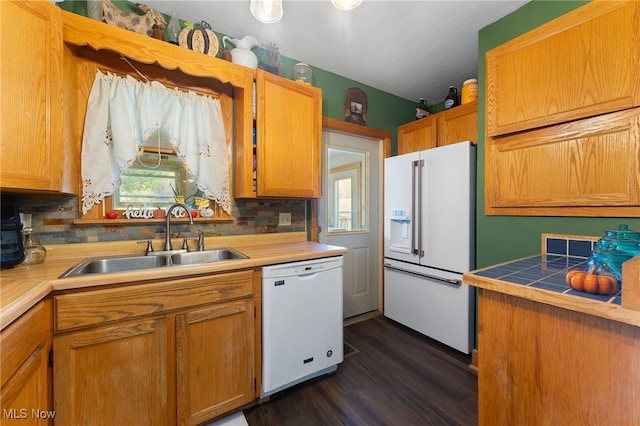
(545, 365)
(214, 353)
(114, 375)
(176, 352)
(25, 375)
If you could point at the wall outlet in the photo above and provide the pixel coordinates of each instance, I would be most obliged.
(284, 219)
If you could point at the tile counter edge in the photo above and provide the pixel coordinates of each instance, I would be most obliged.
(600, 309)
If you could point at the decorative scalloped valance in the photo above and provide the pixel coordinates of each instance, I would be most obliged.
(123, 113)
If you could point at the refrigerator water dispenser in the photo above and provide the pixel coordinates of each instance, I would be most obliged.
(399, 231)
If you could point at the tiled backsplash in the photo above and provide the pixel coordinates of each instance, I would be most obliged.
(568, 245)
(53, 216)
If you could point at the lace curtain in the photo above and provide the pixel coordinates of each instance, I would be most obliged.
(123, 113)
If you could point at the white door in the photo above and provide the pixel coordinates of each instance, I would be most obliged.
(349, 214)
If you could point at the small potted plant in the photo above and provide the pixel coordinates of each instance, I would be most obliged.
(177, 197)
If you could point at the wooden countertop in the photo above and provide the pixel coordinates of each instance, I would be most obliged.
(539, 278)
(24, 286)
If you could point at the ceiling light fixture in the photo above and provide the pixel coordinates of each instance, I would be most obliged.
(346, 4)
(267, 11)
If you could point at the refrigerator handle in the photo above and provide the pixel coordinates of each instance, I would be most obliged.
(416, 207)
(432, 277)
(414, 248)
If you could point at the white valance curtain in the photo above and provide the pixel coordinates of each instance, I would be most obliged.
(123, 113)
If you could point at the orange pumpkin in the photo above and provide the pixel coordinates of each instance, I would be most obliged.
(592, 283)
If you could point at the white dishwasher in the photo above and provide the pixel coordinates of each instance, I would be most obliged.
(301, 322)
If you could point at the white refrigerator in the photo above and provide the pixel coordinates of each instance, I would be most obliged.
(429, 242)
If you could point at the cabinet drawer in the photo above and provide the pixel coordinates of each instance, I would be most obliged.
(88, 308)
(580, 65)
(588, 167)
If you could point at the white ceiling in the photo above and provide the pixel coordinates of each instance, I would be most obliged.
(411, 49)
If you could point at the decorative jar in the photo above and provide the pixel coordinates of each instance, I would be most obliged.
(34, 252)
(302, 72)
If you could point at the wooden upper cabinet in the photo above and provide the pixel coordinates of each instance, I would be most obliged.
(582, 64)
(289, 138)
(588, 167)
(31, 101)
(417, 135)
(453, 125)
(563, 121)
(458, 124)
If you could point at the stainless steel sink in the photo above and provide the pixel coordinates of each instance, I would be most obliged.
(105, 265)
(207, 256)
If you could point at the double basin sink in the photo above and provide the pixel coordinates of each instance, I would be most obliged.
(105, 265)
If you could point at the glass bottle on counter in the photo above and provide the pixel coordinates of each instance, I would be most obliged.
(34, 252)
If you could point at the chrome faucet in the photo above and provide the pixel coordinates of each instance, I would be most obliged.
(167, 229)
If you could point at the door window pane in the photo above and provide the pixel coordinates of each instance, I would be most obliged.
(348, 197)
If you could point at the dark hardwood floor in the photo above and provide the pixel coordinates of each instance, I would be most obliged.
(395, 376)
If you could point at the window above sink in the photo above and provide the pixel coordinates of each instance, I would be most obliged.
(159, 177)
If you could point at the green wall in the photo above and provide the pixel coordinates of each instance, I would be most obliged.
(384, 110)
(501, 238)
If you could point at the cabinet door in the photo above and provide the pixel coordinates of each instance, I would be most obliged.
(117, 375)
(289, 138)
(584, 168)
(26, 377)
(417, 135)
(215, 360)
(579, 65)
(31, 102)
(458, 124)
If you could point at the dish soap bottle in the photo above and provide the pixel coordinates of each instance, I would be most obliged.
(34, 252)
(452, 98)
(423, 109)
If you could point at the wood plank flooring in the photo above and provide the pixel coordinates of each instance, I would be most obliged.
(395, 377)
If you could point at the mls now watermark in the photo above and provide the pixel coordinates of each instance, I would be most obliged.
(23, 413)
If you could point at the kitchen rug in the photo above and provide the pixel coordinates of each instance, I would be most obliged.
(348, 350)
(235, 419)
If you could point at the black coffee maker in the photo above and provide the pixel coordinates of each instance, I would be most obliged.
(12, 252)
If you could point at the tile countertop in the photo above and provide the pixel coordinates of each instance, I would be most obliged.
(24, 286)
(541, 278)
